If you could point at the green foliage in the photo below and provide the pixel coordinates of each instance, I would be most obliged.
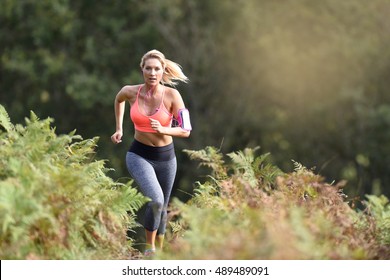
(286, 216)
(209, 157)
(254, 170)
(379, 210)
(56, 201)
(5, 121)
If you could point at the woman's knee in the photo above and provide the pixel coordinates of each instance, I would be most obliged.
(156, 205)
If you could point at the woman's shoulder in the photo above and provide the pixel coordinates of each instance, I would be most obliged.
(174, 98)
(172, 93)
(130, 91)
(130, 88)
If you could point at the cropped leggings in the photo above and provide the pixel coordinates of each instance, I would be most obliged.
(154, 171)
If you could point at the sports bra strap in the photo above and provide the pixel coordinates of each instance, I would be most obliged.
(139, 90)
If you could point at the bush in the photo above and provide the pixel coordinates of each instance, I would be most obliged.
(56, 201)
(249, 209)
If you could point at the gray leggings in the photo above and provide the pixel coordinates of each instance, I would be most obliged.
(154, 171)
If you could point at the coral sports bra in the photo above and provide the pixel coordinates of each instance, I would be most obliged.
(142, 122)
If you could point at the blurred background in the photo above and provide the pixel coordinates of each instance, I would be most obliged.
(305, 80)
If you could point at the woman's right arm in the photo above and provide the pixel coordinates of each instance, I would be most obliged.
(119, 107)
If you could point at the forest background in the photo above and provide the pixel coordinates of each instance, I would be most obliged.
(305, 80)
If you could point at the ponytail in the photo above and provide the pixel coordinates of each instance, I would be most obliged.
(172, 71)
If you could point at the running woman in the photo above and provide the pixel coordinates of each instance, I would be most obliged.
(151, 159)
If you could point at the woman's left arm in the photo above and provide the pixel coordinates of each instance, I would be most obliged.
(177, 105)
(171, 131)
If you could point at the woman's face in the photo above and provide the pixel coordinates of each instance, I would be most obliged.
(152, 71)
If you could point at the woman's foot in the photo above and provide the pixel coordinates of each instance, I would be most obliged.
(149, 252)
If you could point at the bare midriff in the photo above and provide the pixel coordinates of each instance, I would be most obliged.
(152, 139)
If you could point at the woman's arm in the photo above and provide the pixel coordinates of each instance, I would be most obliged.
(119, 108)
(171, 131)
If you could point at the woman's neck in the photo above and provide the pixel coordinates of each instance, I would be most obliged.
(150, 90)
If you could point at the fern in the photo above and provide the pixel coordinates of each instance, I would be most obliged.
(242, 216)
(379, 208)
(255, 170)
(206, 195)
(178, 228)
(210, 157)
(299, 167)
(56, 200)
(243, 165)
(5, 120)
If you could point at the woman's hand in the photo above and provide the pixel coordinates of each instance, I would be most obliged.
(117, 137)
(156, 125)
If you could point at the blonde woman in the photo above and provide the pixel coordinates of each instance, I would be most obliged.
(151, 159)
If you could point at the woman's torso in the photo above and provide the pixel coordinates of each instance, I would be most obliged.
(138, 113)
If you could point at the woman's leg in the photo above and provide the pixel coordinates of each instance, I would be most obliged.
(160, 240)
(144, 175)
(151, 239)
(166, 172)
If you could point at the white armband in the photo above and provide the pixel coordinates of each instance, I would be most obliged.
(184, 119)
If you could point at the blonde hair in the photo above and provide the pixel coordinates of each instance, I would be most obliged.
(172, 71)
